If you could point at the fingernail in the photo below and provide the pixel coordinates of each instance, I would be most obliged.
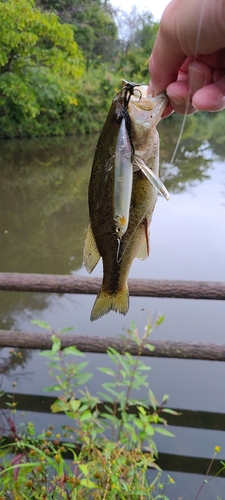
(196, 78)
(178, 101)
(151, 89)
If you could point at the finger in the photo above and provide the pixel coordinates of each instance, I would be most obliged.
(164, 64)
(167, 111)
(180, 36)
(211, 97)
(163, 70)
(200, 74)
(178, 94)
(193, 75)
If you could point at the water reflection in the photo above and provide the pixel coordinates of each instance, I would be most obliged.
(43, 218)
(43, 203)
(43, 197)
(12, 365)
(194, 156)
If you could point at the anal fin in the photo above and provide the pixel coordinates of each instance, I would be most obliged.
(144, 250)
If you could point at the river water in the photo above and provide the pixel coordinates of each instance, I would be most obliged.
(43, 219)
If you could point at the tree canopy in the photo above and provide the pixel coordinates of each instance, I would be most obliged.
(62, 61)
(94, 26)
(40, 64)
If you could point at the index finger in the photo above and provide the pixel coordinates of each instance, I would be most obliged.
(163, 69)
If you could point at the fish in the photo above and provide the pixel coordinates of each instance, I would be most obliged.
(131, 126)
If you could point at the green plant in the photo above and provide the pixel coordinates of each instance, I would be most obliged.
(110, 445)
(217, 449)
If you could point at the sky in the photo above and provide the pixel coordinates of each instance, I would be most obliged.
(156, 7)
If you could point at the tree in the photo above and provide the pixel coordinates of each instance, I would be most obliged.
(94, 26)
(40, 67)
(137, 32)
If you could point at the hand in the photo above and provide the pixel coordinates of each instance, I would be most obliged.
(188, 58)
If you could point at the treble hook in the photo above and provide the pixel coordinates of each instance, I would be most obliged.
(129, 88)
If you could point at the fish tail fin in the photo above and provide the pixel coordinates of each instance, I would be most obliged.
(105, 302)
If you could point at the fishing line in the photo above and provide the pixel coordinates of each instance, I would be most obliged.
(182, 126)
(190, 85)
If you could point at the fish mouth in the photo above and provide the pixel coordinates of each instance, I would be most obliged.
(147, 109)
(147, 101)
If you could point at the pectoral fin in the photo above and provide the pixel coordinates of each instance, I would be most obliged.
(155, 181)
(144, 250)
(91, 253)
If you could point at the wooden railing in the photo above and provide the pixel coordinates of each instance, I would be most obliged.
(167, 349)
(51, 283)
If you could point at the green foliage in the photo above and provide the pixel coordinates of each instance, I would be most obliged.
(40, 66)
(94, 26)
(102, 467)
(42, 91)
(95, 95)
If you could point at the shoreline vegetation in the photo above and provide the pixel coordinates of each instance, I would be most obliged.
(62, 61)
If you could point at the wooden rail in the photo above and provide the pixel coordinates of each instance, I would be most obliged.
(162, 349)
(167, 461)
(55, 283)
(187, 418)
(52, 283)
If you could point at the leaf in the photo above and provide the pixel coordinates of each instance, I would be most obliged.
(49, 354)
(51, 388)
(73, 350)
(86, 415)
(84, 469)
(153, 399)
(160, 320)
(81, 366)
(172, 412)
(83, 378)
(68, 329)
(112, 353)
(150, 430)
(105, 397)
(108, 371)
(40, 323)
(165, 432)
(111, 418)
(165, 398)
(109, 409)
(141, 410)
(150, 347)
(75, 404)
(30, 465)
(112, 391)
(56, 344)
(89, 484)
(59, 406)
